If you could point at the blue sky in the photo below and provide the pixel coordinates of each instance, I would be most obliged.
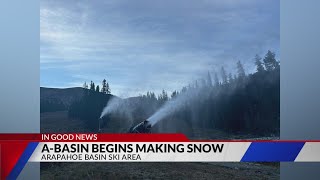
(143, 45)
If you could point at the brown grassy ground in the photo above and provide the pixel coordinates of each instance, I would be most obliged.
(245, 171)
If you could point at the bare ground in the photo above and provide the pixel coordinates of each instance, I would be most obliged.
(159, 171)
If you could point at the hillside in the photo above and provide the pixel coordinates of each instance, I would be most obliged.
(65, 96)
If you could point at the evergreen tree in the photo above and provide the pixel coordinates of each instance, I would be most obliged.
(108, 90)
(104, 86)
(164, 95)
(241, 72)
(97, 88)
(224, 76)
(85, 85)
(153, 96)
(174, 94)
(230, 78)
(216, 79)
(92, 86)
(270, 61)
(258, 63)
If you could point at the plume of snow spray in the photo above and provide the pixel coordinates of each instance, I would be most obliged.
(117, 105)
(176, 104)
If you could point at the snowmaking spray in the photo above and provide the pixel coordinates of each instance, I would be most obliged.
(175, 104)
(170, 107)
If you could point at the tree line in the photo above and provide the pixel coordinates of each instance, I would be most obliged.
(237, 103)
(105, 88)
(263, 65)
(240, 103)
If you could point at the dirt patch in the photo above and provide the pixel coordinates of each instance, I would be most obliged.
(158, 171)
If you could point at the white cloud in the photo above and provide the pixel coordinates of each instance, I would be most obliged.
(150, 46)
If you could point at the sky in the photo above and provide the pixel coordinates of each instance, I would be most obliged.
(143, 45)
